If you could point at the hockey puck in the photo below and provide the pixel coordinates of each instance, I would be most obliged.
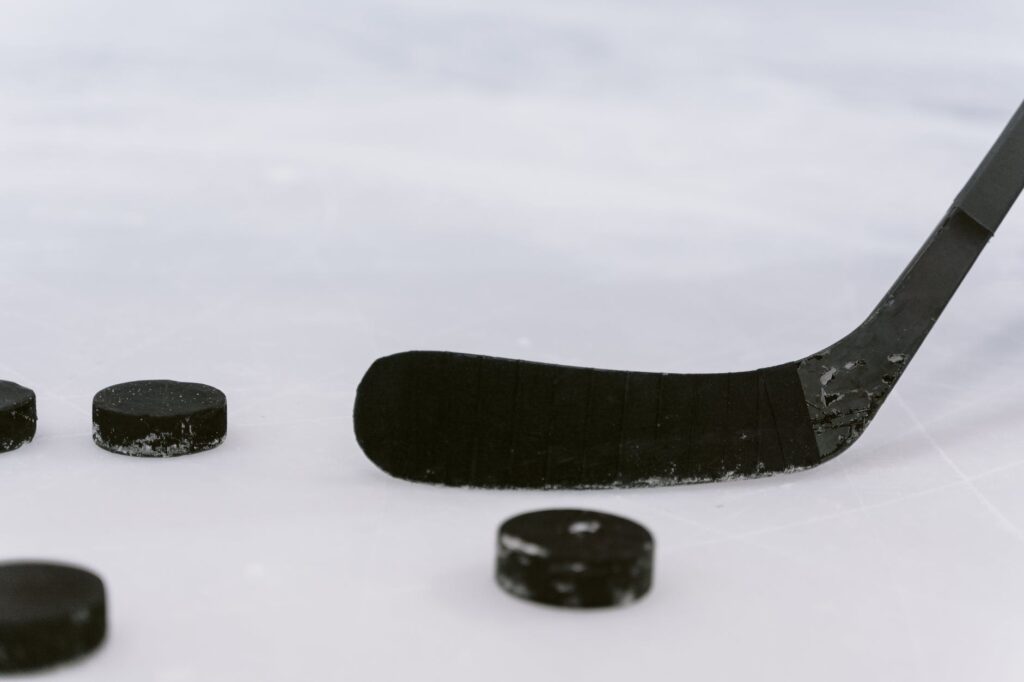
(571, 557)
(17, 416)
(49, 614)
(159, 418)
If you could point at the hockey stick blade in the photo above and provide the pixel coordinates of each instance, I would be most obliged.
(470, 420)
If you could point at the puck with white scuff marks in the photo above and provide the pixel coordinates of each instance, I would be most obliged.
(17, 416)
(573, 557)
(49, 614)
(159, 418)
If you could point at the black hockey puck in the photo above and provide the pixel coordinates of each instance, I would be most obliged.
(159, 418)
(571, 557)
(48, 614)
(17, 415)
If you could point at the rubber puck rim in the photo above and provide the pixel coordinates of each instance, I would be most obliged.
(17, 415)
(50, 613)
(141, 419)
(540, 560)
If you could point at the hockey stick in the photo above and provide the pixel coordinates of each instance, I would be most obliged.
(458, 419)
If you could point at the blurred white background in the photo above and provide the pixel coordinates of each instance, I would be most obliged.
(265, 196)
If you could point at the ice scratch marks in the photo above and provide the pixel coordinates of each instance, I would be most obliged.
(1003, 521)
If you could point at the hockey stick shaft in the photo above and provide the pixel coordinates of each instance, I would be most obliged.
(990, 193)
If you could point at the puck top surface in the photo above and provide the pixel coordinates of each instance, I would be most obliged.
(42, 592)
(159, 398)
(13, 396)
(575, 557)
(576, 535)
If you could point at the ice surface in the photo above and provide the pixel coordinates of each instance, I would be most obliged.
(266, 196)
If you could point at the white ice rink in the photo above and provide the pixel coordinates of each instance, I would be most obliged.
(266, 196)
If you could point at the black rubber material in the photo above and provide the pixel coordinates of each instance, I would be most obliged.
(576, 558)
(49, 614)
(159, 418)
(17, 416)
(489, 422)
